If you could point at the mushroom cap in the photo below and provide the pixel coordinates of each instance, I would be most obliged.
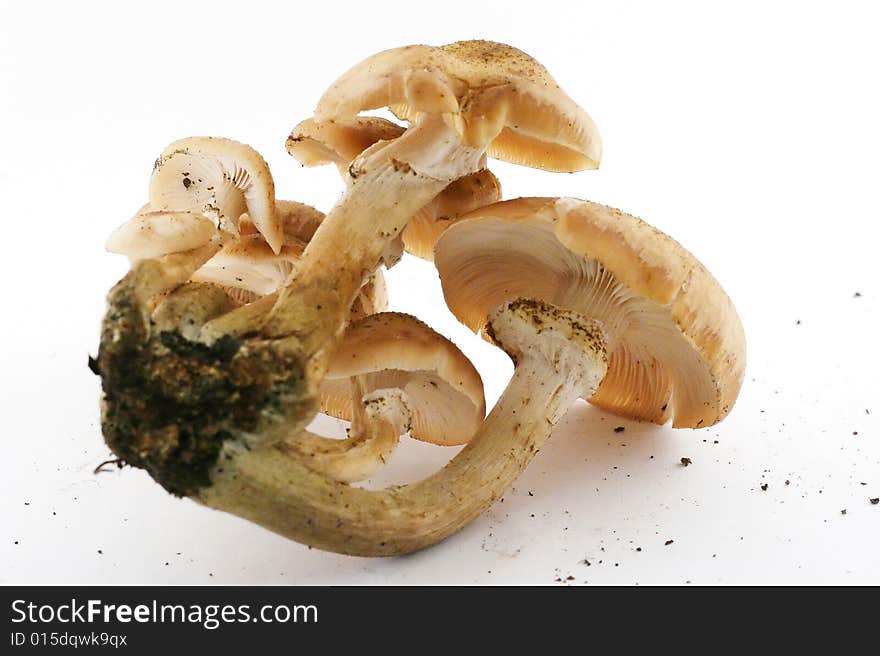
(392, 350)
(250, 264)
(675, 342)
(496, 93)
(217, 177)
(298, 220)
(154, 234)
(313, 143)
(460, 197)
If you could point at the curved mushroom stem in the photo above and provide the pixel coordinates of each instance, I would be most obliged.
(380, 418)
(391, 181)
(559, 357)
(152, 277)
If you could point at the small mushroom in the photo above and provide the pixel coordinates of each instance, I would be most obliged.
(247, 268)
(378, 421)
(437, 394)
(461, 100)
(394, 350)
(314, 143)
(676, 346)
(154, 234)
(220, 178)
(250, 271)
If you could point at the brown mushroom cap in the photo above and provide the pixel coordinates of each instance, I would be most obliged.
(675, 342)
(247, 268)
(391, 350)
(220, 178)
(298, 220)
(154, 234)
(462, 196)
(249, 264)
(313, 143)
(487, 87)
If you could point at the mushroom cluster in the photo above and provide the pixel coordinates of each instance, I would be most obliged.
(242, 316)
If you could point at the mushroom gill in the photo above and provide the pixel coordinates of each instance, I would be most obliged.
(653, 372)
(220, 178)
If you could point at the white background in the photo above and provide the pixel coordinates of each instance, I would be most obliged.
(748, 132)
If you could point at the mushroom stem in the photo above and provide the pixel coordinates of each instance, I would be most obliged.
(379, 419)
(239, 321)
(246, 318)
(391, 181)
(560, 357)
(169, 271)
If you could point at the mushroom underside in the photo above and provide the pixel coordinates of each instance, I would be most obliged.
(440, 413)
(216, 186)
(654, 374)
(254, 279)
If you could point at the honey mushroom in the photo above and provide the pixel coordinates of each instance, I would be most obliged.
(589, 303)
(675, 344)
(151, 234)
(220, 178)
(392, 374)
(162, 393)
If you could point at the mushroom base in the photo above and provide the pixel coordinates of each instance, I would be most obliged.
(170, 404)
